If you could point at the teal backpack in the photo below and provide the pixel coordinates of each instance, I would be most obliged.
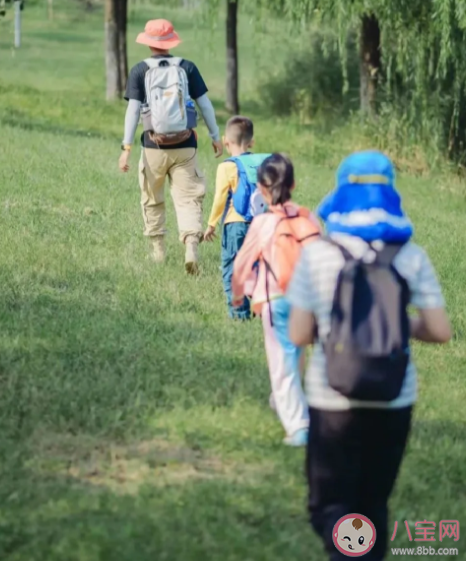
(247, 200)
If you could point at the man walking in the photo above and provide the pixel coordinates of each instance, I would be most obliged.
(163, 87)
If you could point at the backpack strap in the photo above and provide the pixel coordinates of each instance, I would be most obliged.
(155, 62)
(236, 161)
(268, 269)
(346, 254)
(175, 60)
(242, 175)
(283, 215)
(387, 254)
(239, 164)
(385, 257)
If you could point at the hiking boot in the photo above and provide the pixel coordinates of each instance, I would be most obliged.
(191, 257)
(158, 249)
(299, 438)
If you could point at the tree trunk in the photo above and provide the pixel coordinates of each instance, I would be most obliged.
(122, 50)
(111, 50)
(116, 61)
(369, 63)
(50, 9)
(232, 102)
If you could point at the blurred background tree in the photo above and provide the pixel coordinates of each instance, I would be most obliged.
(232, 90)
(116, 57)
(410, 59)
(399, 65)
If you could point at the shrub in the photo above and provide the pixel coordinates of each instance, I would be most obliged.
(312, 81)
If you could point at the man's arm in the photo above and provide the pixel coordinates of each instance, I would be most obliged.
(208, 114)
(135, 96)
(133, 112)
(198, 92)
(131, 124)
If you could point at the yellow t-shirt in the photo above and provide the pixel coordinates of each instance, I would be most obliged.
(227, 180)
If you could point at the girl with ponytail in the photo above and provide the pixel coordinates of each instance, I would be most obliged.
(274, 242)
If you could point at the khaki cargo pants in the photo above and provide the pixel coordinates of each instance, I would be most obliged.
(187, 185)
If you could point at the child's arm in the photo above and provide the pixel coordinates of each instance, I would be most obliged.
(222, 188)
(245, 259)
(432, 324)
(304, 301)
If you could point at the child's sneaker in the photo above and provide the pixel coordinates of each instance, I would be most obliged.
(299, 438)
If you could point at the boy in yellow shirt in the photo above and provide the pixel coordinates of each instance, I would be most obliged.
(236, 201)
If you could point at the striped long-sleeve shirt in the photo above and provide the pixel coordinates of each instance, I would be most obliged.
(312, 289)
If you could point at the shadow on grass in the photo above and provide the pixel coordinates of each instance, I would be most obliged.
(86, 362)
(168, 502)
(25, 123)
(249, 108)
(21, 120)
(437, 452)
(61, 37)
(90, 352)
(54, 517)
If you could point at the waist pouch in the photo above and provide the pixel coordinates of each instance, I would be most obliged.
(170, 138)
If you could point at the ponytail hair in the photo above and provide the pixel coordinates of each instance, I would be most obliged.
(276, 174)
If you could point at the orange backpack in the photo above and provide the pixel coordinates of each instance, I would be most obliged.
(292, 233)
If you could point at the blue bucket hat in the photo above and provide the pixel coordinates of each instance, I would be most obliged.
(365, 202)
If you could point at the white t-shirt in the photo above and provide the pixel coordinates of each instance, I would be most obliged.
(312, 289)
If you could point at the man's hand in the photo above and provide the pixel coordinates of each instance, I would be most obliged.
(123, 161)
(209, 234)
(218, 148)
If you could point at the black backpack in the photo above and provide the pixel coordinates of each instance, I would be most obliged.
(367, 350)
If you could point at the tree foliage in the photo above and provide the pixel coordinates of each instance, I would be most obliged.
(422, 46)
(420, 40)
(422, 43)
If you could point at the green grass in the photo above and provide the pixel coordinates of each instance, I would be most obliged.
(134, 420)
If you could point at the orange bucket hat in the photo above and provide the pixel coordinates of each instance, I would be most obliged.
(159, 34)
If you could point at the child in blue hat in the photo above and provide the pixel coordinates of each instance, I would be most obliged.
(355, 447)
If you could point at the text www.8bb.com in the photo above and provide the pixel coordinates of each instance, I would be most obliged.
(422, 550)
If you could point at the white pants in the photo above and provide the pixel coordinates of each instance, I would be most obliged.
(283, 358)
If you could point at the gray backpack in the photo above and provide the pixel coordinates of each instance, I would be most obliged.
(168, 110)
(367, 350)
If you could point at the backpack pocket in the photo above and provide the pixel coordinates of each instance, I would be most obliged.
(241, 199)
(191, 115)
(365, 378)
(168, 111)
(367, 351)
(166, 94)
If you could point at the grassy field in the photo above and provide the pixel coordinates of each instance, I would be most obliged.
(134, 419)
